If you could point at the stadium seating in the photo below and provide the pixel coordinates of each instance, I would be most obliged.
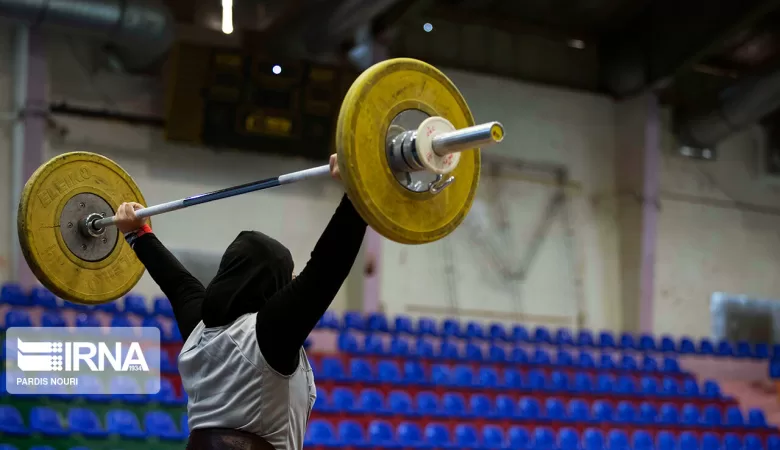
(399, 383)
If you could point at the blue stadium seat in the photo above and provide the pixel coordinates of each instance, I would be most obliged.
(11, 422)
(497, 332)
(625, 413)
(492, 437)
(761, 351)
(162, 307)
(135, 304)
(520, 334)
(593, 439)
(544, 439)
(568, 439)
(85, 422)
(540, 357)
(711, 389)
(687, 347)
(347, 343)
(690, 388)
(329, 321)
(752, 442)
(462, 376)
(585, 360)
(529, 409)
(625, 385)
(756, 418)
(343, 400)
(52, 319)
(17, 318)
(473, 352)
(688, 441)
(649, 386)
(773, 442)
(628, 362)
(414, 374)
(120, 321)
(410, 436)
(87, 320)
(370, 401)
(399, 347)
(438, 436)
(332, 370)
(466, 437)
(724, 349)
(712, 416)
(642, 440)
(606, 362)
(583, 382)
(519, 438)
(559, 381)
(734, 417)
(377, 323)
(454, 405)
(75, 306)
(110, 307)
(669, 387)
(506, 408)
(160, 425)
(649, 364)
(647, 413)
(710, 441)
(536, 380)
(448, 351)
(706, 347)
(601, 411)
(167, 394)
(474, 330)
(563, 337)
(351, 434)
(668, 414)
(542, 336)
(403, 325)
(440, 375)
(671, 366)
(743, 350)
(380, 435)
(13, 294)
(518, 356)
(487, 378)
(647, 343)
(449, 328)
(427, 404)
(130, 388)
(617, 440)
(563, 358)
(388, 372)
(353, 320)
(46, 421)
(497, 354)
(400, 403)
(322, 403)
(690, 415)
(554, 409)
(424, 349)
(577, 411)
(585, 339)
(92, 389)
(40, 296)
(320, 433)
(481, 406)
(665, 440)
(627, 341)
(667, 344)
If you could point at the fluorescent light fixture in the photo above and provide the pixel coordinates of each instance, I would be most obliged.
(227, 16)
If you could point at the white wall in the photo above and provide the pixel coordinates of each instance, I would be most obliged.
(717, 231)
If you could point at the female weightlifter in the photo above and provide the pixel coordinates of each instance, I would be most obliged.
(243, 366)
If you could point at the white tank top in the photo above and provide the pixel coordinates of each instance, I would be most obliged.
(230, 385)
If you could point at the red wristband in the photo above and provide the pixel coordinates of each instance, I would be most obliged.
(143, 230)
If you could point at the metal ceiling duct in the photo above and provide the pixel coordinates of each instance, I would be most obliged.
(139, 32)
(743, 104)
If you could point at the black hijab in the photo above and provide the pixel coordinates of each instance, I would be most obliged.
(253, 268)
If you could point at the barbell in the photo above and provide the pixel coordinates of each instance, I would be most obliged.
(408, 153)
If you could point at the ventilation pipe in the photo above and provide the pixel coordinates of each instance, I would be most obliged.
(739, 106)
(138, 32)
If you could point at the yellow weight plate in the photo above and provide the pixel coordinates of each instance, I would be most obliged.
(86, 270)
(375, 99)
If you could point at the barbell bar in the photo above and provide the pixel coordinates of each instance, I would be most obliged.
(442, 145)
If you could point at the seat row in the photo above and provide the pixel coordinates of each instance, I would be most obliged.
(381, 434)
(464, 376)
(400, 347)
(453, 405)
(85, 422)
(452, 328)
(13, 294)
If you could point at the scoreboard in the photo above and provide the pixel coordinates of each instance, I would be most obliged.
(226, 98)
